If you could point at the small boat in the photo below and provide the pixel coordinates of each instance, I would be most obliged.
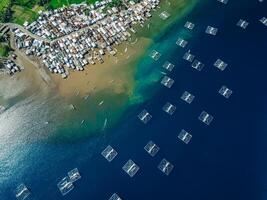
(82, 122)
(46, 122)
(105, 124)
(126, 49)
(164, 73)
(148, 26)
(101, 103)
(72, 107)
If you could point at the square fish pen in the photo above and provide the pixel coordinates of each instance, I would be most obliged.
(242, 23)
(197, 65)
(109, 153)
(130, 168)
(188, 56)
(226, 92)
(189, 25)
(211, 30)
(167, 81)
(144, 116)
(65, 185)
(164, 15)
(205, 118)
(115, 197)
(151, 148)
(169, 108)
(187, 97)
(74, 175)
(185, 136)
(155, 55)
(181, 42)
(223, 1)
(263, 20)
(168, 66)
(165, 166)
(22, 192)
(221, 65)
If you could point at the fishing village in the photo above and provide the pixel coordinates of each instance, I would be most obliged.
(73, 37)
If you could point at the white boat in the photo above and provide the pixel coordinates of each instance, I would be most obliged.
(101, 103)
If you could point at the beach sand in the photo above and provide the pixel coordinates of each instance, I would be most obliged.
(116, 73)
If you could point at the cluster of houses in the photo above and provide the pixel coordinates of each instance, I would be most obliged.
(11, 67)
(82, 34)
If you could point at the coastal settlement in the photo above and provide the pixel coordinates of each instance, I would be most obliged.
(71, 38)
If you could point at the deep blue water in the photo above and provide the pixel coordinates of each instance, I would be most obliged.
(225, 160)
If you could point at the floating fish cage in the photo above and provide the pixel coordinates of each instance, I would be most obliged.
(188, 56)
(22, 192)
(197, 65)
(185, 136)
(151, 148)
(155, 55)
(187, 97)
(221, 65)
(144, 116)
(211, 30)
(168, 66)
(189, 25)
(164, 15)
(169, 108)
(165, 167)
(109, 153)
(226, 92)
(242, 23)
(115, 197)
(130, 168)
(181, 42)
(167, 81)
(205, 118)
(264, 20)
(65, 185)
(223, 1)
(74, 175)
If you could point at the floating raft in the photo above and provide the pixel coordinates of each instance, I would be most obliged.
(65, 185)
(205, 118)
(197, 65)
(155, 55)
(169, 108)
(188, 56)
(221, 65)
(144, 116)
(185, 136)
(226, 92)
(22, 192)
(223, 1)
(164, 15)
(74, 175)
(151, 148)
(187, 97)
(165, 166)
(264, 20)
(131, 168)
(115, 197)
(181, 42)
(109, 153)
(211, 30)
(168, 66)
(242, 24)
(189, 25)
(167, 81)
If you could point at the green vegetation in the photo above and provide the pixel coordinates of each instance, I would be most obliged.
(4, 50)
(22, 14)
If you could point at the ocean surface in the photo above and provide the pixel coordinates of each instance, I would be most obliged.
(225, 160)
